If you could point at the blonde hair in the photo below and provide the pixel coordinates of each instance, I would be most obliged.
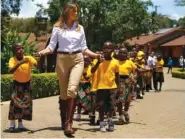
(65, 14)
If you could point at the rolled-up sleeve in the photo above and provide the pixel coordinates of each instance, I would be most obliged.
(83, 43)
(54, 39)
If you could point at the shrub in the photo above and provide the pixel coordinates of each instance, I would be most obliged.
(12, 37)
(178, 73)
(6, 86)
(43, 85)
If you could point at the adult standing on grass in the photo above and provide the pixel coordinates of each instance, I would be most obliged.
(71, 40)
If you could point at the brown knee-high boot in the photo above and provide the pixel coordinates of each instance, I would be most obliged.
(71, 103)
(63, 107)
(73, 111)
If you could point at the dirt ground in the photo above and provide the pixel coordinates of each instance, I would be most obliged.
(158, 115)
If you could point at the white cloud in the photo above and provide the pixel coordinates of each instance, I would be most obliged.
(168, 7)
(176, 16)
(173, 13)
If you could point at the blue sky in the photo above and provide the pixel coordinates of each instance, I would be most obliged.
(166, 7)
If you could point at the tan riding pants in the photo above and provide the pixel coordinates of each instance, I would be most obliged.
(69, 68)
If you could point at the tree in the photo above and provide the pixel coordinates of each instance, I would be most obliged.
(180, 2)
(22, 24)
(5, 21)
(12, 37)
(181, 22)
(165, 22)
(8, 7)
(11, 6)
(54, 10)
(108, 20)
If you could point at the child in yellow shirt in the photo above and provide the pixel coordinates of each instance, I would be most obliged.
(21, 101)
(140, 62)
(159, 72)
(126, 66)
(133, 74)
(108, 81)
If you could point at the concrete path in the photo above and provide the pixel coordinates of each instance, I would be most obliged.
(158, 115)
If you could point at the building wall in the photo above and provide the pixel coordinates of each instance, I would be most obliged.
(172, 51)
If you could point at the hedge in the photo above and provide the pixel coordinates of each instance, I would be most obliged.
(178, 73)
(43, 85)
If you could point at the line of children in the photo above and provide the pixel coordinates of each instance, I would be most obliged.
(111, 84)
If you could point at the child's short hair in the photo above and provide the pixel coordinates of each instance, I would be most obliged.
(121, 46)
(14, 46)
(108, 43)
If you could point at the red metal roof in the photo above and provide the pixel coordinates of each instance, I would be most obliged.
(141, 40)
(180, 41)
(145, 39)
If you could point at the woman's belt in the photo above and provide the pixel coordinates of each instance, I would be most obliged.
(124, 76)
(69, 53)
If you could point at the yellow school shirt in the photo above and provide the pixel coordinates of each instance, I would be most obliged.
(86, 70)
(94, 78)
(112, 55)
(135, 63)
(131, 58)
(159, 63)
(106, 74)
(143, 63)
(126, 67)
(23, 72)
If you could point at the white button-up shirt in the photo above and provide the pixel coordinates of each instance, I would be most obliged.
(69, 40)
(151, 61)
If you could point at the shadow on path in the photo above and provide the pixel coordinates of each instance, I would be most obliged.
(53, 129)
(16, 130)
(174, 90)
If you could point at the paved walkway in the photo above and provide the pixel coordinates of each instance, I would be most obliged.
(157, 115)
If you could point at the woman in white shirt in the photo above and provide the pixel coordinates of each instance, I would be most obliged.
(69, 64)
